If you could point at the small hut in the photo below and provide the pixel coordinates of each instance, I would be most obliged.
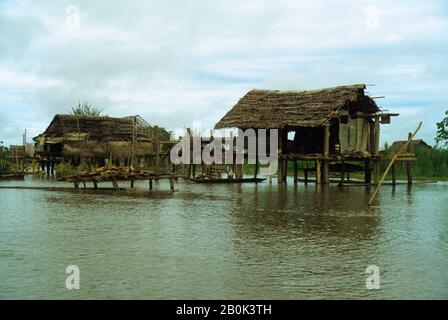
(99, 140)
(326, 126)
(396, 145)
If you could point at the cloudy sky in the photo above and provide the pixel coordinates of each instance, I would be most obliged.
(186, 63)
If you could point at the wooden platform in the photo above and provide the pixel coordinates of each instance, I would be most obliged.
(243, 180)
(120, 174)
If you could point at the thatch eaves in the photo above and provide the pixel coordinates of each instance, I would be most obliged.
(279, 108)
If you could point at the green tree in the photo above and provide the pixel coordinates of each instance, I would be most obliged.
(86, 109)
(5, 163)
(165, 133)
(442, 131)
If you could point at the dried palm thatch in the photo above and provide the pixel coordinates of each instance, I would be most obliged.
(312, 108)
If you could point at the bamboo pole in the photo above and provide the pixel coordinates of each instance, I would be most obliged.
(391, 163)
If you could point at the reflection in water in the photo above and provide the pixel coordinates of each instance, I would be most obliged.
(224, 241)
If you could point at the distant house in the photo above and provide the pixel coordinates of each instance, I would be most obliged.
(96, 140)
(396, 145)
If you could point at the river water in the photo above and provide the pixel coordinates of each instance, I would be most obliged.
(264, 241)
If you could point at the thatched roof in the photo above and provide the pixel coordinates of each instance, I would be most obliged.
(396, 145)
(92, 128)
(97, 136)
(278, 109)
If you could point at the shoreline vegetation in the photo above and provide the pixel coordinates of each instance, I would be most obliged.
(431, 164)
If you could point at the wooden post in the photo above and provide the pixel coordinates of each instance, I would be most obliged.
(150, 184)
(157, 146)
(409, 163)
(295, 171)
(134, 120)
(285, 172)
(132, 184)
(326, 153)
(376, 150)
(172, 184)
(95, 184)
(367, 172)
(305, 173)
(394, 176)
(256, 155)
(318, 177)
(190, 151)
(342, 172)
(115, 185)
(280, 160)
(372, 138)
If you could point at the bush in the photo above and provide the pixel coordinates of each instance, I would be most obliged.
(65, 170)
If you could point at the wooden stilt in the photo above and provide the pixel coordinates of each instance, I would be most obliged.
(150, 184)
(157, 146)
(172, 184)
(295, 171)
(256, 168)
(376, 150)
(367, 172)
(84, 184)
(343, 172)
(280, 171)
(326, 152)
(132, 184)
(318, 176)
(115, 185)
(409, 163)
(95, 184)
(305, 174)
(394, 177)
(377, 171)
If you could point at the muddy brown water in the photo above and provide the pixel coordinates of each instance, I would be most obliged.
(247, 241)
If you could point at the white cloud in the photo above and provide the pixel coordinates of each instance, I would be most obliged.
(177, 62)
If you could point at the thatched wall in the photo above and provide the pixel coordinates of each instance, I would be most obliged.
(279, 109)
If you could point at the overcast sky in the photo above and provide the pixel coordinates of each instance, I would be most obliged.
(186, 63)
